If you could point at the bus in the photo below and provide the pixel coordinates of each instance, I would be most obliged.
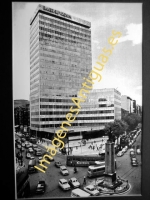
(83, 160)
(23, 184)
(96, 170)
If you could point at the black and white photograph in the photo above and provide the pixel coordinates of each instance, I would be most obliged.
(77, 99)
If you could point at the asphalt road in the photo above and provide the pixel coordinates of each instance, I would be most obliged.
(52, 175)
(127, 172)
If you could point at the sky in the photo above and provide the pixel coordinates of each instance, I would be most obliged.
(123, 70)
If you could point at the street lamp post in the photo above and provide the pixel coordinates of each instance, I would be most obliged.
(68, 142)
(81, 143)
(21, 152)
(54, 118)
(80, 139)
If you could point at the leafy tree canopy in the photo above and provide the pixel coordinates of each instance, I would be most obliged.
(132, 119)
(118, 127)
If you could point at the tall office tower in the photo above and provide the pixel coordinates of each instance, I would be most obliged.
(60, 56)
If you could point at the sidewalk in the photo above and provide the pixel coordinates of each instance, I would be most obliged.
(18, 167)
(78, 149)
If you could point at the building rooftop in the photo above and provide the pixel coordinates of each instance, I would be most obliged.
(59, 14)
(21, 103)
(104, 89)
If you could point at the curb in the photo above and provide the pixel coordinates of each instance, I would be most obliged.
(117, 193)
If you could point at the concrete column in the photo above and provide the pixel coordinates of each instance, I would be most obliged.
(109, 158)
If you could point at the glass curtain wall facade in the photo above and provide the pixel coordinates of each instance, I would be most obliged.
(60, 56)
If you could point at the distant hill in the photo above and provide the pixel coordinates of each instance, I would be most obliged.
(21, 103)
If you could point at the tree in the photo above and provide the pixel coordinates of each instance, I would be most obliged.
(132, 119)
(117, 128)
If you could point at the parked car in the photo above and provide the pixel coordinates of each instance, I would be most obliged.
(123, 150)
(120, 153)
(27, 146)
(58, 164)
(28, 155)
(26, 142)
(91, 190)
(41, 187)
(22, 149)
(130, 144)
(40, 158)
(63, 170)
(132, 153)
(30, 150)
(18, 141)
(133, 156)
(74, 182)
(23, 144)
(38, 152)
(35, 149)
(30, 144)
(19, 146)
(138, 151)
(133, 159)
(134, 163)
(19, 156)
(64, 184)
(35, 146)
(131, 149)
(126, 148)
(23, 139)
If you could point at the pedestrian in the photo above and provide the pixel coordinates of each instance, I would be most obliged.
(97, 148)
(84, 180)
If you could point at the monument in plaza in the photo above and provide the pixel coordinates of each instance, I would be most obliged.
(110, 179)
(110, 184)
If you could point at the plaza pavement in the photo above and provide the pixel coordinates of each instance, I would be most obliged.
(78, 149)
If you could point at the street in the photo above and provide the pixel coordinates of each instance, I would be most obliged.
(52, 174)
(127, 172)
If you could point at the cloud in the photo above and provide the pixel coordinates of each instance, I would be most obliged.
(139, 87)
(133, 33)
(99, 47)
(95, 41)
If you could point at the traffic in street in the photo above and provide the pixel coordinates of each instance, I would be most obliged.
(56, 180)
